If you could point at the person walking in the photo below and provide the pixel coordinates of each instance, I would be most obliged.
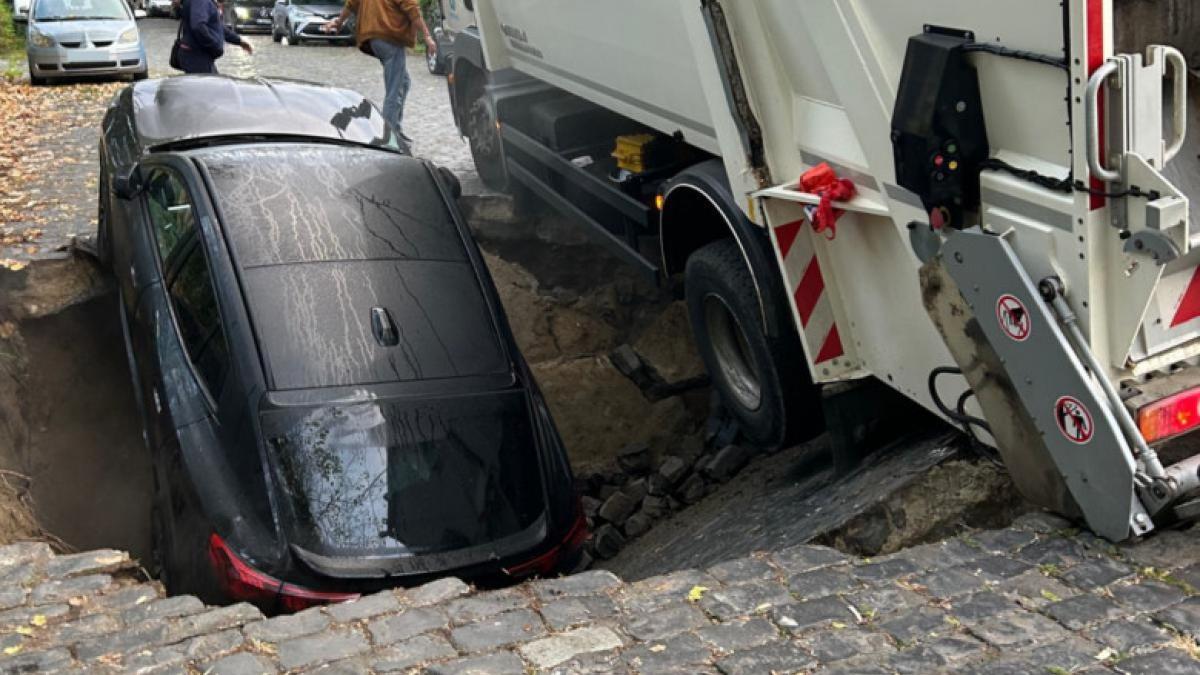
(202, 36)
(385, 29)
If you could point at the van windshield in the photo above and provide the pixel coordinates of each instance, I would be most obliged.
(80, 10)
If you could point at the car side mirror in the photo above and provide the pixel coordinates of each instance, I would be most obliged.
(139, 13)
(450, 181)
(127, 185)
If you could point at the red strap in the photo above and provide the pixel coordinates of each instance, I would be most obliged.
(823, 182)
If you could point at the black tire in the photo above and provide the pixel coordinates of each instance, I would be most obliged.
(276, 36)
(484, 138)
(435, 63)
(141, 75)
(763, 382)
(34, 79)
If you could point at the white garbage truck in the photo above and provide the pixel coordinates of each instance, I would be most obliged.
(1002, 234)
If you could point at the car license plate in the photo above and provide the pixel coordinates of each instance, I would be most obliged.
(262, 22)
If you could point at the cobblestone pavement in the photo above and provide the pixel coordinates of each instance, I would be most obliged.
(73, 182)
(1033, 598)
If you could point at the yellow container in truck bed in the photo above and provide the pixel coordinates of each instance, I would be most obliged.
(630, 152)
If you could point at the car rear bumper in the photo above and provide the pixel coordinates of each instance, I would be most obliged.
(61, 62)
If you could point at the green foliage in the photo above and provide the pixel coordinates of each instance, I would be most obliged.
(12, 42)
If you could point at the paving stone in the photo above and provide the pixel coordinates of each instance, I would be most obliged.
(1083, 610)
(949, 583)
(305, 652)
(1006, 541)
(1041, 522)
(823, 582)
(22, 553)
(412, 652)
(836, 645)
(554, 650)
(388, 629)
(913, 660)
(483, 605)
(634, 458)
(726, 463)
(162, 608)
(923, 623)
(89, 562)
(35, 662)
(637, 525)
(1184, 617)
(617, 508)
(1056, 551)
(879, 601)
(997, 568)
(776, 658)
(586, 583)
(501, 630)
(435, 592)
(87, 627)
(799, 617)
(22, 574)
(805, 558)
(672, 470)
(1035, 589)
(241, 663)
(125, 598)
(731, 601)
(1165, 549)
(288, 626)
(143, 637)
(692, 490)
(661, 591)
(739, 634)
(888, 570)
(570, 612)
(1004, 665)
(655, 508)
(22, 615)
(607, 541)
(201, 646)
(864, 665)
(956, 648)
(937, 555)
(364, 608)
(1068, 655)
(591, 506)
(636, 490)
(499, 663)
(592, 663)
(663, 623)
(1096, 573)
(13, 596)
(742, 570)
(1147, 596)
(684, 653)
(1018, 629)
(981, 605)
(212, 620)
(63, 590)
(1129, 636)
(1161, 662)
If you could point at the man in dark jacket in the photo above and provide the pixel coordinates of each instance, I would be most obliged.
(203, 36)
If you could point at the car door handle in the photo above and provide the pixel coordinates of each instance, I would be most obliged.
(157, 401)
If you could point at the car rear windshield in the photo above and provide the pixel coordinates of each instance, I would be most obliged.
(342, 249)
(408, 476)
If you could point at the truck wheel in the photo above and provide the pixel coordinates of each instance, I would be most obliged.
(484, 139)
(763, 382)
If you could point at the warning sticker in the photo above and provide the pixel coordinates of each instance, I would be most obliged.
(1074, 420)
(1013, 317)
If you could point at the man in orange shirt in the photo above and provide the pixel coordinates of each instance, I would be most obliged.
(385, 29)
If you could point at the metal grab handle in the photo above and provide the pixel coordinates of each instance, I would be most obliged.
(1178, 65)
(1091, 106)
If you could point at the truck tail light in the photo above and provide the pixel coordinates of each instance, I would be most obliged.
(1170, 416)
(240, 581)
(546, 562)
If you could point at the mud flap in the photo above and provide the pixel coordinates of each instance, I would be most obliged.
(1059, 440)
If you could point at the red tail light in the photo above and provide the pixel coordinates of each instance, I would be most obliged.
(1170, 416)
(546, 562)
(240, 581)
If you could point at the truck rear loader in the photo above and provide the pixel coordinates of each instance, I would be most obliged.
(1015, 254)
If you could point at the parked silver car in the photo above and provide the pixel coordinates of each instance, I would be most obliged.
(304, 20)
(69, 38)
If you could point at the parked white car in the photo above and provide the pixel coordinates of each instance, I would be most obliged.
(21, 10)
(70, 38)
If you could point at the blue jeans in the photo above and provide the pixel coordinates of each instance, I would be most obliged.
(395, 80)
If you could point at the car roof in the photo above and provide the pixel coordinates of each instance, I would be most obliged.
(326, 236)
(189, 108)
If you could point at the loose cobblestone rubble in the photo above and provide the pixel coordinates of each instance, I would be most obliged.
(1037, 597)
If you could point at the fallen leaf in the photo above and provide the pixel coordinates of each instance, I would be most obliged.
(696, 593)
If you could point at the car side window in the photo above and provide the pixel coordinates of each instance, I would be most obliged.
(171, 213)
(199, 319)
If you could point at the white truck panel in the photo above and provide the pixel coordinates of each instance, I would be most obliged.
(631, 56)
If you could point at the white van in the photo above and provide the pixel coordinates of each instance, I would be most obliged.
(21, 10)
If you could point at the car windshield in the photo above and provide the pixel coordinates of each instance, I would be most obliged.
(80, 10)
(255, 3)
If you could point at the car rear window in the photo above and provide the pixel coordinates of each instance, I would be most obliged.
(300, 203)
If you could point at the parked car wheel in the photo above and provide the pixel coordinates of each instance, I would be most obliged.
(763, 382)
(34, 79)
(276, 36)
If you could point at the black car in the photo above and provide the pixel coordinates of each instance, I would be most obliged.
(249, 16)
(330, 389)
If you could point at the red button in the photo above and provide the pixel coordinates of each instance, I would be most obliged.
(938, 159)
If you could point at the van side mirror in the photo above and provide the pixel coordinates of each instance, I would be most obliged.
(128, 184)
(450, 181)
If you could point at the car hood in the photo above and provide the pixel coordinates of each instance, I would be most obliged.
(74, 31)
(327, 11)
(408, 486)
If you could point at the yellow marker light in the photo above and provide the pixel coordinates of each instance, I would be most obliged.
(659, 200)
(953, 165)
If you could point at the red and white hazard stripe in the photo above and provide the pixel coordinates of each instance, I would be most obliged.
(803, 270)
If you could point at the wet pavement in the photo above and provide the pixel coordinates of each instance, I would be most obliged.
(67, 178)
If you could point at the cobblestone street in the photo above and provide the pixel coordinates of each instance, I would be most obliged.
(1034, 598)
(63, 199)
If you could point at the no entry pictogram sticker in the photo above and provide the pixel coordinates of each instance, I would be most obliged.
(1013, 317)
(1074, 419)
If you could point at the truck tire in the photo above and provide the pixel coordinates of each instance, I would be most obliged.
(763, 382)
(484, 138)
